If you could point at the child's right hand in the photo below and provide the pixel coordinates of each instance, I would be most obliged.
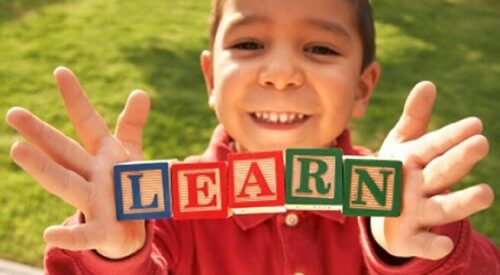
(83, 177)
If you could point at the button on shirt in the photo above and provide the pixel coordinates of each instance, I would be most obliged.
(291, 219)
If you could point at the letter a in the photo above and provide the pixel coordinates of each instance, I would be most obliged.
(258, 180)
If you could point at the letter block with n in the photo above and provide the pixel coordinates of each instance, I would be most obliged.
(199, 190)
(142, 190)
(372, 187)
(314, 179)
(256, 182)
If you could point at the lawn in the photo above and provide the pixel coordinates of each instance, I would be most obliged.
(117, 46)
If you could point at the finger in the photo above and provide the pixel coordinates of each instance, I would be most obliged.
(56, 179)
(74, 237)
(430, 246)
(448, 169)
(438, 142)
(443, 209)
(89, 125)
(131, 121)
(416, 113)
(59, 147)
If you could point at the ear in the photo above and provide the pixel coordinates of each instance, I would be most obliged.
(208, 75)
(367, 82)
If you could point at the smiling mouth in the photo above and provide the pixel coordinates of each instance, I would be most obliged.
(279, 118)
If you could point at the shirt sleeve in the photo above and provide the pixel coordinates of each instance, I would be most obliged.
(159, 255)
(473, 254)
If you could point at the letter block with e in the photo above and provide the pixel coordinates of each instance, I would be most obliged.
(142, 190)
(314, 179)
(199, 190)
(256, 183)
(372, 187)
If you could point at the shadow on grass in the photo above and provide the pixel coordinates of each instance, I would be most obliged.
(180, 114)
(13, 9)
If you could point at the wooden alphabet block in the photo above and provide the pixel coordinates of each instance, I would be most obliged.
(314, 179)
(199, 190)
(256, 183)
(372, 187)
(142, 190)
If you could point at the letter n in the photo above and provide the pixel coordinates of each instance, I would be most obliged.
(372, 187)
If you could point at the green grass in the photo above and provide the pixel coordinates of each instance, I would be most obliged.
(117, 46)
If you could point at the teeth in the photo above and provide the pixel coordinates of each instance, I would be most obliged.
(282, 118)
(273, 117)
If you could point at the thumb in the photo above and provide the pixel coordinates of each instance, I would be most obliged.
(416, 114)
(430, 246)
(131, 121)
(74, 237)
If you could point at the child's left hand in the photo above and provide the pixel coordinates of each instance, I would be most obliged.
(432, 163)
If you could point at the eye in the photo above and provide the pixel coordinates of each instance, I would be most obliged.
(321, 50)
(248, 46)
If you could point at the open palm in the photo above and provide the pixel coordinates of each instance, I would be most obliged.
(433, 162)
(83, 176)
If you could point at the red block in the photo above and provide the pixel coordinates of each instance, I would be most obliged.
(199, 190)
(256, 182)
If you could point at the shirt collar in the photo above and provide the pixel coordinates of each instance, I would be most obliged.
(220, 147)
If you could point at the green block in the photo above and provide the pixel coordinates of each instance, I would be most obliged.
(372, 187)
(313, 179)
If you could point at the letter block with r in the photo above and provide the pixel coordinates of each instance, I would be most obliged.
(372, 187)
(314, 179)
(142, 190)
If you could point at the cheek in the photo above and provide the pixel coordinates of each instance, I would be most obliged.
(337, 89)
(228, 91)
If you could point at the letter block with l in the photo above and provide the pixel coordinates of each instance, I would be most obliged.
(372, 187)
(199, 190)
(142, 190)
(314, 179)
(256, 182)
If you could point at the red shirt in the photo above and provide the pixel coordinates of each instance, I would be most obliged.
(296, 242)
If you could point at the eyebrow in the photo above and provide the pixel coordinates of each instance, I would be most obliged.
(244, 20)
(329, 27)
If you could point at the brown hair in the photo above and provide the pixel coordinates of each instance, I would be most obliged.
(365, 24)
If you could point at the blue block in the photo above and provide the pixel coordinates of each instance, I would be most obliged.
(142, 190)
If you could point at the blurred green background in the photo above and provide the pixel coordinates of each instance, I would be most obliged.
(117, 46)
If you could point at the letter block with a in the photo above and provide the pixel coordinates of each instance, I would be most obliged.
(314, 179)
(142, 190)
(256, 183)
(199, 190)
(372, 187)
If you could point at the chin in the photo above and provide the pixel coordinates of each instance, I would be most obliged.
(272, 144)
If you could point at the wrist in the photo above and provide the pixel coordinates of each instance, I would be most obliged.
(116, 255)
(381, 253)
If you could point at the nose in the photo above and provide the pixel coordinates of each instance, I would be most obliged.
(281, 71)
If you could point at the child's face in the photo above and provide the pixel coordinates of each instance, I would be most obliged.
(287, 73)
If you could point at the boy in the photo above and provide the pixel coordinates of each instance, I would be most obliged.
(279, 74)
